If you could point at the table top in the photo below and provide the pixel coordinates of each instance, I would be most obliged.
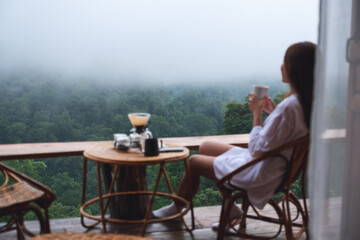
(106, 153)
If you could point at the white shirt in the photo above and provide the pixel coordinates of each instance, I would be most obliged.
(284, 124)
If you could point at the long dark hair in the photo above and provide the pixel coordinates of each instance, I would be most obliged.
(299, 64)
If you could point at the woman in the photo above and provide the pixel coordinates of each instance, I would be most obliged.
(288, 121)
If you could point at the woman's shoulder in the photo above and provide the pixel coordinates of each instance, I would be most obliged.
(290, 106)
(289, 102)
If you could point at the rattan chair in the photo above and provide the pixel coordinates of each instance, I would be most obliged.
(296, 167)
(88, 236)
(20, 194)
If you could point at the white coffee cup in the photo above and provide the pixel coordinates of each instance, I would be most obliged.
(260, 91)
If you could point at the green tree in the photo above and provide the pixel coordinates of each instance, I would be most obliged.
(68, 191)
(16, 132)
(58, 210)
(279, 97)
(160, 127)
(29, 167)
(199, 124)
(237, 118)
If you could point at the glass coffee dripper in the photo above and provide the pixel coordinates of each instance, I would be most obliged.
(139, 122)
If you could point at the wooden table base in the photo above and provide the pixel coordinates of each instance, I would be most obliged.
(111, 194)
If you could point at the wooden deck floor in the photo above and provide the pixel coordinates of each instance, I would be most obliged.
(204, 217)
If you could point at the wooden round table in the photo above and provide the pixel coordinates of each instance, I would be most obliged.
(105, 153)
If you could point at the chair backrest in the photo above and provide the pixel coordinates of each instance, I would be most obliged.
(10, 173)
(297, 162)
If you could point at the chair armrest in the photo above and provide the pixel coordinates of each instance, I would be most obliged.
(6, 180)
(276, 152)
(18, 175)
(227, 178)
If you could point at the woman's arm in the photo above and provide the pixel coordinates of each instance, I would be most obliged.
(256, 106)
(280, 126)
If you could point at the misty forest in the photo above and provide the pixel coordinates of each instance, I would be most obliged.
(39, 109)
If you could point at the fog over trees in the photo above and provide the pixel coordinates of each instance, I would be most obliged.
(153, 41)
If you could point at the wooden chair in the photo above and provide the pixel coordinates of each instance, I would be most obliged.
(296, 167)
(20, 194)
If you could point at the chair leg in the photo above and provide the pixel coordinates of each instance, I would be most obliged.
(287, 219)
(306, 213)
(9, 225)
(223, 214)
(19, 222)
(301, 212)
(43, 221)
(245, 207)
(47, 221)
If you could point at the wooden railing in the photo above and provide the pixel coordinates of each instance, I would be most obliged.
(63, 149)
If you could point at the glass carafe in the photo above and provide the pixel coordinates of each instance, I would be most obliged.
(137, 138)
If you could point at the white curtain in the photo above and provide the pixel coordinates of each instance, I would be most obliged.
(334, 172)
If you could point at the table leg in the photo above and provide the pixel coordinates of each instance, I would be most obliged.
(172, 192)
(187, 169)
(111, 188)
(83, 195)
(120, 178)
(152, 199)
(100, 197)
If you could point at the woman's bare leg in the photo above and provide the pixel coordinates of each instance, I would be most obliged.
(199, 165)
(214, 148)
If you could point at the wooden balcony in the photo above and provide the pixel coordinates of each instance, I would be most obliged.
(204, 216)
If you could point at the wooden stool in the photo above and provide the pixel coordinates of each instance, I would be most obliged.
(87, 236)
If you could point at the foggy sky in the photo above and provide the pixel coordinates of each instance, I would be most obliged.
(153, 39)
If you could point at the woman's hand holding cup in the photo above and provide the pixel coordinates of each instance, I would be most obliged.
(256, 105)
(258, 101)
(260, 93)
(269, 105)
